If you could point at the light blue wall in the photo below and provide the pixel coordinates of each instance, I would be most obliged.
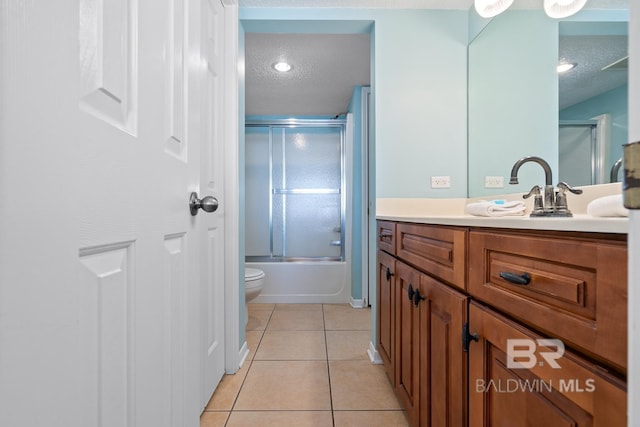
(419, 89)
(419, 92)
(355, 107)
(614, 103)
(513, 99)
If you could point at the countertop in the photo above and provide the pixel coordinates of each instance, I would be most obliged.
(451, 212)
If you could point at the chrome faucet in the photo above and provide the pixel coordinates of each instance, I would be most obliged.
(549, 194)
(613, 176)
(554, 204)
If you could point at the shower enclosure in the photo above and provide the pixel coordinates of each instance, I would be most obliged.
(295, 203)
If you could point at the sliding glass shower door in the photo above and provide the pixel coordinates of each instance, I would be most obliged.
(294, 199)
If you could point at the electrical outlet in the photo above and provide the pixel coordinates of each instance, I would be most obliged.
(493, 182)
(440, 182)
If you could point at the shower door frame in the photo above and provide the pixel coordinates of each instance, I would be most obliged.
(340, 124)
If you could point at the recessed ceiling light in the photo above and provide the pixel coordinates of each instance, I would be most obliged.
(566, 66)
(282, 67)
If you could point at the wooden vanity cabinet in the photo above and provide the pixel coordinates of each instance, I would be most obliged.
(386, 312)
(430, 368)
(424, 317)
(447, 350)
(575, 290)
(575, 393)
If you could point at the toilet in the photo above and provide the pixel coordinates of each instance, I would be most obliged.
(253, 283)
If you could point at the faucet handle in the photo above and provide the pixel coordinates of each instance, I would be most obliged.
(563, 186)
(535, 191)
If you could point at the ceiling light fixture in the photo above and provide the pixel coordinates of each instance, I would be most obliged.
(553, 8)
(491, 8)
(282, 67)
(563, 8)
(566, 66)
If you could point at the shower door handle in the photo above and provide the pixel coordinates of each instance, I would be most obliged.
(335, 243)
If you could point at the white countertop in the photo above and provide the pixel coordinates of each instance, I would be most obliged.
(451, 212)
(583, 223)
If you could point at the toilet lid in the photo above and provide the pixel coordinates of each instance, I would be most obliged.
(253, 274)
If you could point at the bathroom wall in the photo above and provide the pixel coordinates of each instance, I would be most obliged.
(419, 88)
(355, 107)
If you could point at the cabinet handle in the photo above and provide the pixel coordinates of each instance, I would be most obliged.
(384, 235)
(417, 297)
(389, 274)
(411, 292)
(516, 279)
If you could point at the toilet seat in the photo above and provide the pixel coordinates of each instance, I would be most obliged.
(253, 274)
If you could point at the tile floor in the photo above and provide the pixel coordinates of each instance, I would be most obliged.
(308, 366)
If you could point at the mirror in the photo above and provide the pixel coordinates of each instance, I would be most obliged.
(520, 106)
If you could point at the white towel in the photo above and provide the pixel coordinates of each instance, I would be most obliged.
(488, 208)
(607, 206)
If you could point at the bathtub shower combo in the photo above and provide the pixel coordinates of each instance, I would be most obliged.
(295, 207)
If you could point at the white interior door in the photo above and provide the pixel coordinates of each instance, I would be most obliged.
(100, 259)
(211, 226)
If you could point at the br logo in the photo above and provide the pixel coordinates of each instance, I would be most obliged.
(521, 353)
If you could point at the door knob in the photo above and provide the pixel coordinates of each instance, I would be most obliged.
(207, 204)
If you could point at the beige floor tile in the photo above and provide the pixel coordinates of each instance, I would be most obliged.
(370, 418)
(296, 320)
(278, 385)
(348, 345)
(213, 419)
(281, 419)
(253, 306)
(258, 320)
(346, 318)
(253, 340)
(299, 307)
(225, 394)
(292, 345)
(359, 385)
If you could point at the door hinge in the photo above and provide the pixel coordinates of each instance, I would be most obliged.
(467, 337)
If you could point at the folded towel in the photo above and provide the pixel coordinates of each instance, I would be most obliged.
(607, 206)
(489, 208)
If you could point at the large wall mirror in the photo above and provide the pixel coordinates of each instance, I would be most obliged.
(519, 105)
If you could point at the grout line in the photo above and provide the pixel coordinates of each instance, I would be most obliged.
(250, 365)
(326, 349)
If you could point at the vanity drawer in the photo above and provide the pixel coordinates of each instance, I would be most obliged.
(573, 289)
(386, 232)
(439, 251)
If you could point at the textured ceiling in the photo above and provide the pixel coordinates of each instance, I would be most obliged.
(591, 54)
(326, 67)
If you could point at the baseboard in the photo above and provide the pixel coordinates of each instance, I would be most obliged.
(374, 356)
(244, 353)
(357, 303)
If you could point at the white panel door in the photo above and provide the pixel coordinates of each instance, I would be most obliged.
(100, 260)
(212, 184)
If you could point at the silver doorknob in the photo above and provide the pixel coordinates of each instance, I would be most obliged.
(207, 204)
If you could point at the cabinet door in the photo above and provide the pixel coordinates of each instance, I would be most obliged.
(386, 312)
(443, 362)
(545, 388)
(407, 378)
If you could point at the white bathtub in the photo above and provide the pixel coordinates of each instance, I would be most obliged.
(326, 282)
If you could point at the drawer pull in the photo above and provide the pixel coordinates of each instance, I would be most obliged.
(384, 236)
(516, 279)
(389, 274)
(411, 292)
